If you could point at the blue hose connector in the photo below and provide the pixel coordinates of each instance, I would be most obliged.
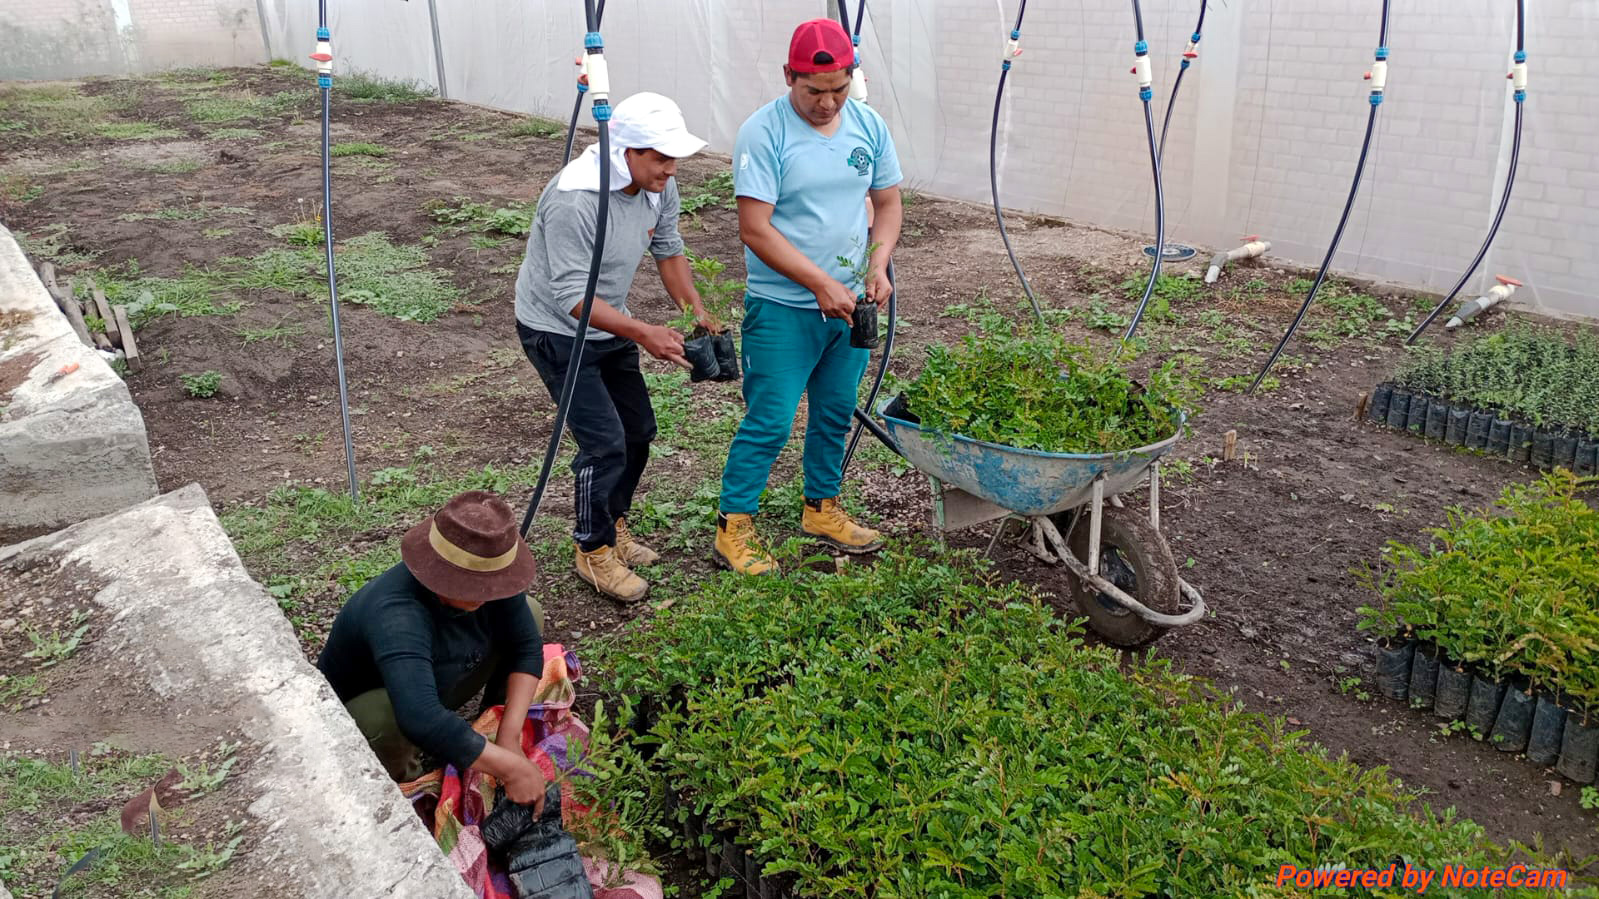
(1382, 52)
(593, 41)
(322, 34)
(1521, 56)
(582, 87)
(325, 82)
(602, 112)
(1005, 66)
(1376, 99)
(1186, 63)
(1141, 48)
(1195, 38)
(855, 39)
(1521, 96)
(1016, 34)
(1145, 94)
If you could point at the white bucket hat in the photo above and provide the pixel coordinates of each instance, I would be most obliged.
(643, 121)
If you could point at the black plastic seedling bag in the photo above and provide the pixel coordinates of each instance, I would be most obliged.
(1543, 450)
(1483, 707)
(1548, 723)
(1454, 692)
(1499, 437)
(727, 365)
(863, 328)
(1587, 461)
(1393, 667)
(1579, 747)
(1377, 410)
(702, 355)
(1399, 408)
(1455, 433)
(1416, 418)
(1520, 443)
(1437, 420)
(1563, 451)
(1477, 430)
(1514, 724)
(1423, 676)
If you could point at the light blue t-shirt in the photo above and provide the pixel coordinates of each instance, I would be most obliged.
(817, 186)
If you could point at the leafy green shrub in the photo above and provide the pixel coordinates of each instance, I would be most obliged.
(916, 729)
(202, 385)
(1526, 372)
(361, 86)
(1513, 590)
(1033, 390)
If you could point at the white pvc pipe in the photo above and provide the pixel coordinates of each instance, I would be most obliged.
(1495, 295)
(1255, 247)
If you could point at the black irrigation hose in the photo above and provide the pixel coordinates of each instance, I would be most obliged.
(877, 381)
(1349, 205)
(325, 84)
(1145, 94)
(602, 116)
(1504, 201)
(993, 169)
(1177, 83)
(577, 102)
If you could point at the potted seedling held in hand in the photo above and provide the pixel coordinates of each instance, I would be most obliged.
(863, 326)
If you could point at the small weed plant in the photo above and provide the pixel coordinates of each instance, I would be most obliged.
(357, 148)
(1513, 590)
(1034, 390)
(202, 385)
(465, 214)
(715, 192)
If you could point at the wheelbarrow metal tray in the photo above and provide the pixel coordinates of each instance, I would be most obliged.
(1027, 482)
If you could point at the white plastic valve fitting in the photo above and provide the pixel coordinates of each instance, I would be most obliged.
(1518, 76)
(1013, 49)
(597, 75)
(323, 57)
(857, 85)
(1142, 70)
(1379, 75)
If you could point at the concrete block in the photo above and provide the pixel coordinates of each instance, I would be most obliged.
(208, 642)
(70, 448)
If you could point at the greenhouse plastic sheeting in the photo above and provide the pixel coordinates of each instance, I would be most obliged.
(1264, 139)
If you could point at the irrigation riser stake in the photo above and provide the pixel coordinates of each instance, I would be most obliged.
(1509, 714)
(1482, 430)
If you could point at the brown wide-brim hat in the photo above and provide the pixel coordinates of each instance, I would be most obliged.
(470, 550)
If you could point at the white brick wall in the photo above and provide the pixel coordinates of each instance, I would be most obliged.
(73, 38)
(1279, 82)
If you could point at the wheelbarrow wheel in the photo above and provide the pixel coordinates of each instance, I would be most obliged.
(1133, 556)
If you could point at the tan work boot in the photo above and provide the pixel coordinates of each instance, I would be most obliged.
(632, 553)
(606, 573)
(739, 548)
(826, 519)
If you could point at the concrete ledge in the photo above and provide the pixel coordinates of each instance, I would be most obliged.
(203, 636)
(69, 449)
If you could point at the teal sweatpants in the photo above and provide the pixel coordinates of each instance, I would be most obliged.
(789, 352)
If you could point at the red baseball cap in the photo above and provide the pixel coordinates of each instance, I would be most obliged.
(814, 38)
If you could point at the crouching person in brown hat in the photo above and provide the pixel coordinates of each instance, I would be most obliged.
(420, 640)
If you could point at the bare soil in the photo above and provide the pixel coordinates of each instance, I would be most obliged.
(1274, 539)
(84, 705)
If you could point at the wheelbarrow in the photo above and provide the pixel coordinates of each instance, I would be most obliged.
(1125, 578)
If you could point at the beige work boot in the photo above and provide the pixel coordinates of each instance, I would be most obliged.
(826, 520)
(606, 573)
(739, 548)
(632, 553)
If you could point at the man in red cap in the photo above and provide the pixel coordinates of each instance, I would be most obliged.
(803, 168)
(420, 640)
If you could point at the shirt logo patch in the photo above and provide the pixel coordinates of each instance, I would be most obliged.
(744, 161)
(861, 160)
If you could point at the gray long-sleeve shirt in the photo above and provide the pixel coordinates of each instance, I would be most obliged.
(561, 246)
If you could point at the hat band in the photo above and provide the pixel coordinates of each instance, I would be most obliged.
(460, 558)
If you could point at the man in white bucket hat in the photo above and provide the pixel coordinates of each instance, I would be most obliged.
(610, 415)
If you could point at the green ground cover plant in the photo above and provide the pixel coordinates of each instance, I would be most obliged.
(1534, 374)
(1032, 389)
(1512, 590)
(714, 192)
(465, 214)
(917, 728)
